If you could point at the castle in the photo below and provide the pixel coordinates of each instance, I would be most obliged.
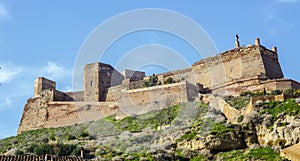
(108, 92)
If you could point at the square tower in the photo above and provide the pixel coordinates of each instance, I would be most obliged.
(98, 77)
(41, 84)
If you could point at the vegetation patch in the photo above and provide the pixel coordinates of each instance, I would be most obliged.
(275, 108)
(199, 157)
(152, 119)
(262, 153)
(267, 154)
(237, 102)
(153, 81)
(221, 129)
(188, 136)
(56, 149)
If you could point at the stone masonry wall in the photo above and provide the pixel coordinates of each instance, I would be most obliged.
(77, 96)
(41, 113)
(98, 77)
(41, 84)
(271, 64)
(229, 66)
(139, 101)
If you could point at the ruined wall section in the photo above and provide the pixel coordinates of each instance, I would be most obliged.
(61, 96)
(178, 75)
(41, 84)
(77, 96)
(133, 75)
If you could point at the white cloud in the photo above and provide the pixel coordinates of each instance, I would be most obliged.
(3, 12)
(17, 86)
(8, 72)
(17, 81)
(55, 71)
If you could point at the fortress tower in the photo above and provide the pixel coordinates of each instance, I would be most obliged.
(41, 84)
(98, 77)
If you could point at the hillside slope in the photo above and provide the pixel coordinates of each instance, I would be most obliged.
(187, 131)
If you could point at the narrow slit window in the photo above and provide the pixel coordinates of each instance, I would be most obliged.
(91, 83)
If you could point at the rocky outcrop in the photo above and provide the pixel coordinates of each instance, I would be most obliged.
(284, 132)
(230, 113)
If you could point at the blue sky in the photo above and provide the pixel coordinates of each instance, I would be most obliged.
(43, 38)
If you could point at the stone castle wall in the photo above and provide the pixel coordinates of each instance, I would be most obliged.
(77, 96)
(271, 64)
(39, 113)
(139, 101)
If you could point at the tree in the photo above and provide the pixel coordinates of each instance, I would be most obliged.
(153, 81)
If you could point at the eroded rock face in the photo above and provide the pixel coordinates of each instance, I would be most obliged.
(284, 132)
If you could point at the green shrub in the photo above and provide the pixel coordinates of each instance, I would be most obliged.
(59, 149)
(289, 107)
(19, 152)
(188, 137)
(232, 155)
(52, 138)
(84, 134)
(267, 154)
(297, 93)
(153, 81)
(221, 130)
(45, 140)
(240, 119)
(151, 119)
(69, 137)
(276, 92)
(68, 149)
(288, 91)
(169, 80)
(237, 102)
(199, 157)
(43, 149)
